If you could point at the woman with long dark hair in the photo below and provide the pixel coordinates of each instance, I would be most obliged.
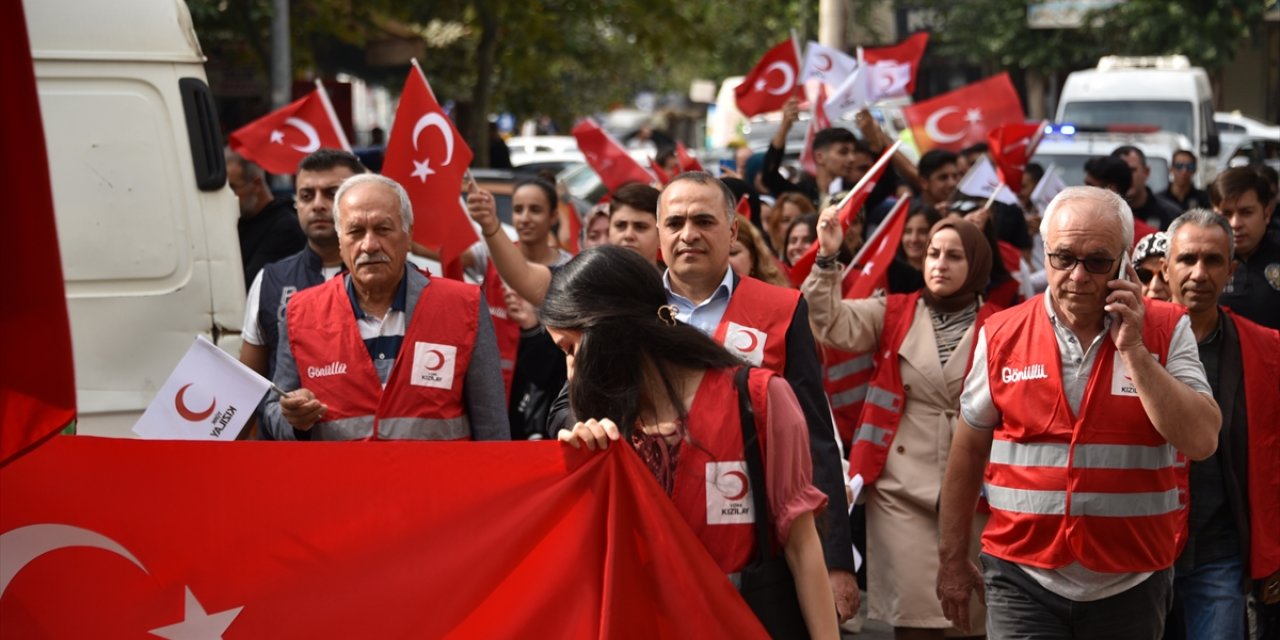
(668, 391)
(921, 343)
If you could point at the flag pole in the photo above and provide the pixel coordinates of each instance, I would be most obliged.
(795, 42)
(999, 188)
(333, 116)
(414, 62)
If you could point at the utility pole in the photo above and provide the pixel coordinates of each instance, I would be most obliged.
(281, 63)
(831, 23)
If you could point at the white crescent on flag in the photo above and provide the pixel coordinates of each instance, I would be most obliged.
(435, 120)
(313, 138)
(788, 78)
(931, 127)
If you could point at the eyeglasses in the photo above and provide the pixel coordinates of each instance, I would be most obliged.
(1184, 166)
(1067, 262)
(1146, 275)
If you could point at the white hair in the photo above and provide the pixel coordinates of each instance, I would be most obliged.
(1100, 200)
(406, 209)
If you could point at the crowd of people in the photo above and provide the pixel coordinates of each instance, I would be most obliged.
(1039, 425)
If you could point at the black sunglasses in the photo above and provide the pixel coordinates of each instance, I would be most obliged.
(1184, 166)
(1145, 274)
(1067, 262)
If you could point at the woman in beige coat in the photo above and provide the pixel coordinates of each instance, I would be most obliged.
(902, 450)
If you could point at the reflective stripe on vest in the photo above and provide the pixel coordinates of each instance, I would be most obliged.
(873, 434)
(850, 367)
(1087, 456)
(1115, 505)
(885, 399)
(848, 398)
(361, 428)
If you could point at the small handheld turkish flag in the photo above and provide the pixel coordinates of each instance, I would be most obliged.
(962, 117)
(428, 158)
(1011, 147)
(774, 79)
(687, 161)
(870, 268)
(908, 52)
(609, 160)
(280, 140)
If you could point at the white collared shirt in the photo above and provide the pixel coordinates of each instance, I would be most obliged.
(705, 315)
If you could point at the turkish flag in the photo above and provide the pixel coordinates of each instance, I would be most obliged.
(570, 227)
(687, 161)
(870, 268)
(428, 158)
(817, 123)
(280, 140)
(609, 160)
(963, 117)
(114, 538)
(37, 380)
(773, 80)
(908, 52)
(1011, 147)
(657, 171)
(853, 203)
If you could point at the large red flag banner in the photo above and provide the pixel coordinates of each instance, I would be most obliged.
(428, 158)
(37, 383)
(607, 158)
(962, 117)
(120, 538)
(280, 140)
(771, 82)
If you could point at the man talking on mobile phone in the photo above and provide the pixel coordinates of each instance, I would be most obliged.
(1080, 407)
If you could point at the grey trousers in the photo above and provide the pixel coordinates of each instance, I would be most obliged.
(1018, 608)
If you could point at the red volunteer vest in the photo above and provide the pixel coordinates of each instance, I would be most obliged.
(711, 489)
(423, 396)
(886, 395)
(1260, 352)
(505, 330)
(1103, 488)
(845, 375)
(754, 325)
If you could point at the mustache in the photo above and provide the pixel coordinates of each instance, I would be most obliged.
(371, 258)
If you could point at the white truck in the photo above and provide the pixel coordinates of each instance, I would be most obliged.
(146, 223)
(1165, 92)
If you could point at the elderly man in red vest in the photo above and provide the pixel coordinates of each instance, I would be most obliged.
(1080, 408)
(383, 352)
(767, 326)
(1233, 529)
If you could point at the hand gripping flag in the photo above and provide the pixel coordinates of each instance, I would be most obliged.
(428, 157)
(773, 80)
(280, 140)
(37, 380)
(1011, 147)
(906, 53)
(962, 117)
(209, 396)
(607, 158)
(108, 538)
(849, 207)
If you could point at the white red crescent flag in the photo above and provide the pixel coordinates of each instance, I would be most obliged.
(829, 65)
(280, 140)
(120, 538)
(962, 117)
(773, 80)
(37, 379)
(1011, 147)
(1048, 188)
(870, 268)
(983, 181)
(428, 157)
(908, 53)
(607, 158)
(817, 123)
(853, 203)
(209, 396)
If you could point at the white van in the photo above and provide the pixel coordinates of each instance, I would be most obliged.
(146, 224)
(1165, 92)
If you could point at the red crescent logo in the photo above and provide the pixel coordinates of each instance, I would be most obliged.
(439, 360)
(188, 414)
(752, 342)
(823, 56)
(742, 477)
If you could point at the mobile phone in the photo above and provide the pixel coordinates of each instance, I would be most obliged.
(728, 163)
(1123, 273)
